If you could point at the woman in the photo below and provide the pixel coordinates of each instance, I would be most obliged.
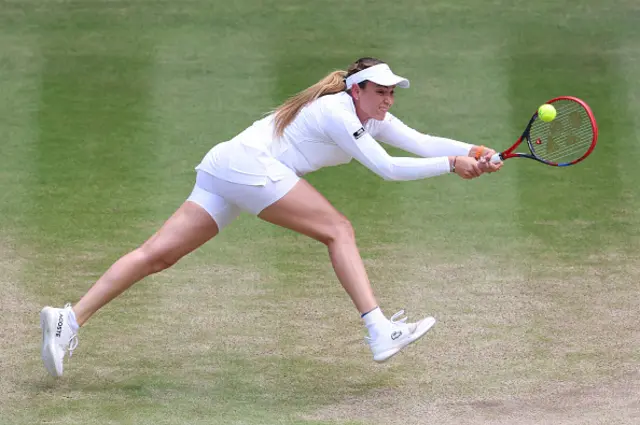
(259, 170)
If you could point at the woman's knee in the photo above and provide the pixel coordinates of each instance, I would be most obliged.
(339, 230)
(154, 260)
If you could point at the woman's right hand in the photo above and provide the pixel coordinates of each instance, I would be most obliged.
(465, 166)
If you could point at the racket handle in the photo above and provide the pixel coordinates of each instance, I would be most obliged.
(495, 158)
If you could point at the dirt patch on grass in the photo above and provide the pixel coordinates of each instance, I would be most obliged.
(530, 344)
(610, 402)
(19, 339)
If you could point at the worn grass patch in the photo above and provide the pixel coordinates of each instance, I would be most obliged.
(20, 354)
(558, 344)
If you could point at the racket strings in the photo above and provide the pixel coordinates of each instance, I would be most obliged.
(568, 146)
(565, 139)
(565, 147)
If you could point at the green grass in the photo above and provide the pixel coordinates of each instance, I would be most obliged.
(106, 107)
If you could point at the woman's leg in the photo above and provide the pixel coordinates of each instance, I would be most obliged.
(304, 210)
(187, 229)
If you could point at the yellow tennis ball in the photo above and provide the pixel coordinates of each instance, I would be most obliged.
(547, 113)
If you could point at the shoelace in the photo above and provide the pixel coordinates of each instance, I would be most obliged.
(73, 341)
(395, 316)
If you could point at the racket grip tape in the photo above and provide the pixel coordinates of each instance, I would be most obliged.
(495, 158)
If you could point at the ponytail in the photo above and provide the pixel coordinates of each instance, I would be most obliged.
(286, 113)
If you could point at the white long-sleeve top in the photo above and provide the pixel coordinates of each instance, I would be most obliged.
(328, 132)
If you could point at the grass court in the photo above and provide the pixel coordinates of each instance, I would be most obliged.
(107, 105)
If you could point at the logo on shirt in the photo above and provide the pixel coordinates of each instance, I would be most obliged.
(358, 133)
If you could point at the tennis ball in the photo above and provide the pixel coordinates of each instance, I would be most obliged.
(547, 113)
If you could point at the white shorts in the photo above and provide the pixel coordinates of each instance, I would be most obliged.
(224, 200)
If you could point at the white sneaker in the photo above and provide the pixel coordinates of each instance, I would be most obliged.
(399, 335)
(57, 338)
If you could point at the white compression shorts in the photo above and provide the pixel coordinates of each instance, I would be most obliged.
(224, 200)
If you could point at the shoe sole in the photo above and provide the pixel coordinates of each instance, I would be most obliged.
(48, 344)
(422, 328)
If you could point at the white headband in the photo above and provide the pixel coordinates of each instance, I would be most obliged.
(379, 74)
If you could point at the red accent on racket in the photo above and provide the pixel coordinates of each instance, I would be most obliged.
(567, 140)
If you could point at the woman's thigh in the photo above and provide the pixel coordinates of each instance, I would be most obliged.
(187, 229)
(289, 202)
(306, 211)
(199, 218)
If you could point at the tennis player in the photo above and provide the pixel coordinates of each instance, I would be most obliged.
(259, 171)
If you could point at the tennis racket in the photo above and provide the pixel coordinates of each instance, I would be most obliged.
(567, 140)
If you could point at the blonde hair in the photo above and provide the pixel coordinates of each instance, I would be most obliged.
(331, 84)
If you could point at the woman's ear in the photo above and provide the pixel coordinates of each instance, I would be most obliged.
(355, 91)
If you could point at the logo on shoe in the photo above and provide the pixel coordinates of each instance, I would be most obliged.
(60, 322)
(396, 334)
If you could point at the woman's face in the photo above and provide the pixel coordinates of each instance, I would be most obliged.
(372, 101)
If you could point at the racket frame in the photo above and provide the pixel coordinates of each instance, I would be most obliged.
(509, 153)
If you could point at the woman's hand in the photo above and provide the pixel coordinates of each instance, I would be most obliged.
(464, 166)
(483, 155)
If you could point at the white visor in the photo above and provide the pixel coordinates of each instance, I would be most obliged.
(379, 74)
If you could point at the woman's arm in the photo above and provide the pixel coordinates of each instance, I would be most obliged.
(394, 132)
(347, 132)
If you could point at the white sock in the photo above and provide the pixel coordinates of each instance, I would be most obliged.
(73, 323)
(374, 321)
